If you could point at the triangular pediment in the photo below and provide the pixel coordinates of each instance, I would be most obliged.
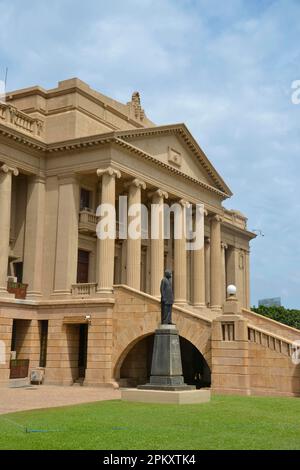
(174, 146)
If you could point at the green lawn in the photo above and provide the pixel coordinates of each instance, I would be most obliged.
(227, 422)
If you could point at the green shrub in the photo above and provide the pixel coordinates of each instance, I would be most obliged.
(281, 314)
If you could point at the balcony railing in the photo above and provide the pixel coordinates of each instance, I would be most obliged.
(13, 117)
(87, 221)
(84, 290)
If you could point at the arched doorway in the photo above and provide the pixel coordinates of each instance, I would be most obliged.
(136, 366)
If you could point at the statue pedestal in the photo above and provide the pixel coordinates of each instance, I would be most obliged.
(183, 397)
(166, 368)
(166, 381)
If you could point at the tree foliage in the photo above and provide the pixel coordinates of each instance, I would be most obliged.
(280, 314)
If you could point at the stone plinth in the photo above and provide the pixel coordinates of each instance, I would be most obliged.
(183, 397)
(166, 368)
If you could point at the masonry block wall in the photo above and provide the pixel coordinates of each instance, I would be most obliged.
(272, 373)
(247, 360)
(5, 337)
(230, 356)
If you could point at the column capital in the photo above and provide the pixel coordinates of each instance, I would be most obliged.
(135, 182)
(184, 203)
(216, 218)
(158, 193)
(207, 240)
(109, 171)
(8, 169)
(224, 245)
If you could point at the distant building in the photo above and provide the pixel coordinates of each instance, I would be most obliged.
(274, 302)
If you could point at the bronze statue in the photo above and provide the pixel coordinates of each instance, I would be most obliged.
(167, 298)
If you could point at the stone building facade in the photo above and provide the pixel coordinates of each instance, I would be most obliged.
(84, 309)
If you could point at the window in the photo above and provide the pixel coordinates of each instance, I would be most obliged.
(85, 199)
(43, 327)
(13, 346)
(83, 267)
(19, 271)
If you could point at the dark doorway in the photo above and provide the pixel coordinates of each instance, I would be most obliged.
(19, 365)
(82, 353)
(43, 332)
(83, 267)
(195, 368)
(136, 367)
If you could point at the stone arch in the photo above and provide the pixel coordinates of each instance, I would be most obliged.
(122, 356)
(137, 315)
(134, 363)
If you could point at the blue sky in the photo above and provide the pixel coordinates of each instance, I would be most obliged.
(223, 68)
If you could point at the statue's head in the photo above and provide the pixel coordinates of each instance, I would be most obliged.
(168, 273)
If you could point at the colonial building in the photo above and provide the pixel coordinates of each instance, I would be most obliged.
(81, 308)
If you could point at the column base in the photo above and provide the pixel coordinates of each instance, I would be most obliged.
(105, 290)
(6, 295)
(33, 295)
(61, 294)
(199, 305)
(217, 308)
(180, 302)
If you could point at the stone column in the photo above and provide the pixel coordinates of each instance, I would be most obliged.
(67, 235)
(34, 236)
(180, 256)
(134, 244)
(224, 280)
(207, 270)
(106, 246)
(199, 273)
(157, 240)
(5, 215)
(215, 263)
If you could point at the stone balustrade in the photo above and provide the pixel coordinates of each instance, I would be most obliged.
(270, 341)
(87, 221)
(84, 290)
(11, 116)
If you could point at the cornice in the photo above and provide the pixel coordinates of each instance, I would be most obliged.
(21, 138)
(104, 139)
(239, 230)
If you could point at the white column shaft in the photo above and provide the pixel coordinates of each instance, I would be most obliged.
(34, 236)
(134, 244)
(5, 215)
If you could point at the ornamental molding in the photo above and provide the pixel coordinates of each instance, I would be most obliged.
(158, 193)
(8, 169)
(135, 182)
(109, 171)
(112, 138)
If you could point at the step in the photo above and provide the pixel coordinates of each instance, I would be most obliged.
(17, 383)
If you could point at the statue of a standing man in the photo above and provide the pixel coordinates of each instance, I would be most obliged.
(167, 298)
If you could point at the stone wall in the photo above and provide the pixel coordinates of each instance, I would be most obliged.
(250, 361)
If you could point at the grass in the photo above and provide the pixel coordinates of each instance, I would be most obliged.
(227, 422)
